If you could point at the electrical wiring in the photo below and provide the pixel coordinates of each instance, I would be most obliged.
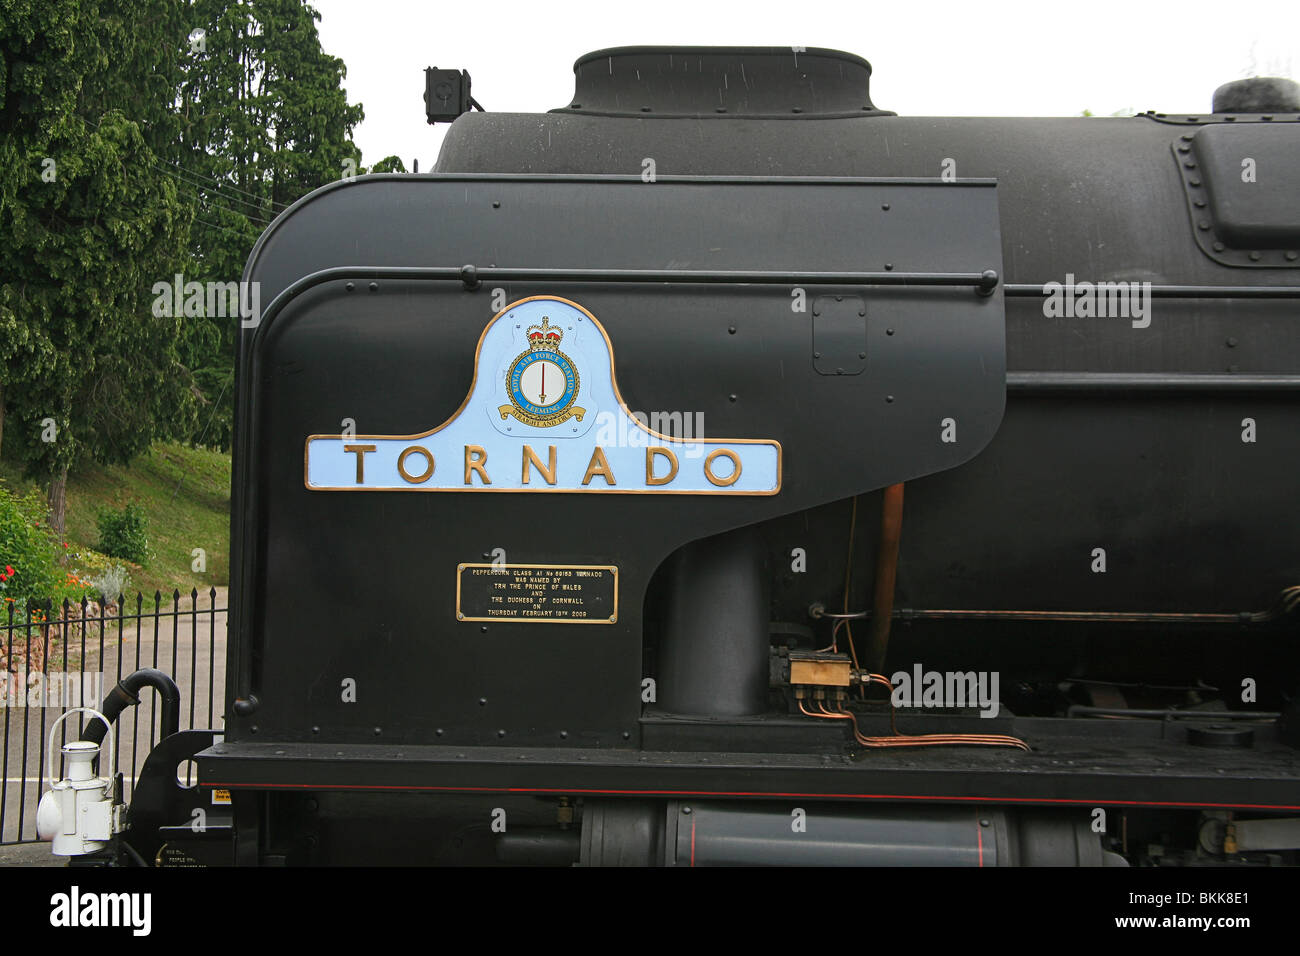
(898, 739)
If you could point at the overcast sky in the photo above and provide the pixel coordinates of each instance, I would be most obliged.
(986, 58)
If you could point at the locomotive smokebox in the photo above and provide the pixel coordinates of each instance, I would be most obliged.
(714, 656)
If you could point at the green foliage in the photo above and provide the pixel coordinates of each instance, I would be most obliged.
(123, 534)
(389, 164)
(28, 553)
(89, 222)
(265, 120)
(184, 493)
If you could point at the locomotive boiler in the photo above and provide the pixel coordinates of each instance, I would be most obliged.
(720, 469)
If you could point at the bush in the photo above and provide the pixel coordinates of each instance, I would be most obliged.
(122, 534)
(29, 556)
(110, 583)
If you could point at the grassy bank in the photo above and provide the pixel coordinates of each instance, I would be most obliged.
(185, 496)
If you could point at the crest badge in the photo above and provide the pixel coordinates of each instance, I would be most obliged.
(543, 382)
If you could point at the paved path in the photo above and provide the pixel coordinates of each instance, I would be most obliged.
(196, 660)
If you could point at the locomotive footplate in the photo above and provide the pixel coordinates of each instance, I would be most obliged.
(1074, 762)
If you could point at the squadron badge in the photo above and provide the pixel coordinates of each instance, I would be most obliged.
(542, 382)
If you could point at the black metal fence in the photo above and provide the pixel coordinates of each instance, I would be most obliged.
(72, 659)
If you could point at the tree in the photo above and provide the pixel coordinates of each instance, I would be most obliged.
(90, 223)
(265, 120)
(389, 164)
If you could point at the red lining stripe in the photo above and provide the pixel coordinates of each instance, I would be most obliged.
(748, 793)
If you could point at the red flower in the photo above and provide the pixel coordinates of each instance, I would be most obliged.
(9, 569)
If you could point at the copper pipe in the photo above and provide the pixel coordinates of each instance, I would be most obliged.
(882, 608)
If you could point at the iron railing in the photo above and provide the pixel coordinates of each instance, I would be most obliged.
(73, 658)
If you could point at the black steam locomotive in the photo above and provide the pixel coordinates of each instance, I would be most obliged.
(568, 511)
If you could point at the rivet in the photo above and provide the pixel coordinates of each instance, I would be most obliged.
(719, 109)
(1190, 164)
(839, 298)
(496, 204)
(817, 355)
(1199, 203)
(889, 267)
(374, 287)
(1186, 136)
(378, 731)
(438, 731)
(627, 735)
(984, 823)
(501, 733)
(1193, 182)
(645, 109)
(1218, 247)
(1292, 256)
(731, 330)
(885, 206)
(889, 331)
(795, 109)
(862, 355)
(1254, 257)
(889, 399)
(817, 312)
(1185, 149)
(686, 809)
(1232, 342)
(731, 397)
(350, 286)
(862, 312)
(1203, 225)
(315, 730)
(1267, 119)
(482, 701)
(483, 629)
(564, 735)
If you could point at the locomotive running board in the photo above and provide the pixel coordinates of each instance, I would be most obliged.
(1074, 762)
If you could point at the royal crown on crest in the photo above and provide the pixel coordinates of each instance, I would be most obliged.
(544, 336)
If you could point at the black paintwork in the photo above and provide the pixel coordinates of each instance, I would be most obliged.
(1104, 441)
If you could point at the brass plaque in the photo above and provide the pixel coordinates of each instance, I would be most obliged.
(537, 593)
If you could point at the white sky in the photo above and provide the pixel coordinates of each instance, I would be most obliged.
(929, 57)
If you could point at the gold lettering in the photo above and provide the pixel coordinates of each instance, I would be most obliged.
(730, 479)
(548, 471)
(650, 454)
(476, 460)
(360, 452)
(599, 465)
(401, 464)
